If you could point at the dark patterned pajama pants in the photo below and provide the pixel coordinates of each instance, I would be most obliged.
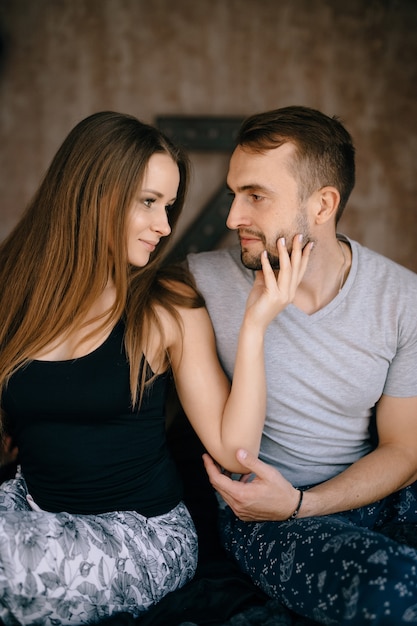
(57, 568)
(336, 569)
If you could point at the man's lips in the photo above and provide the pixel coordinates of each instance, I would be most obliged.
(248, 239)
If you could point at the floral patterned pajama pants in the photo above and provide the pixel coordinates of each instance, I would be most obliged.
(57, 568)
(337, 569)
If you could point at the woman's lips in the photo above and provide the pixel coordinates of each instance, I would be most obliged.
(150, 245)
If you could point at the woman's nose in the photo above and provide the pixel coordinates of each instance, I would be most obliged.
(161, 224)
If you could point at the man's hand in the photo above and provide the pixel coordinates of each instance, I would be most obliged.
(269, 496)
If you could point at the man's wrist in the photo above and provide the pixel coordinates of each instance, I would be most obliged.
(298, 507)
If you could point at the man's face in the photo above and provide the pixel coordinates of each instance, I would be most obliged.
(266, 204)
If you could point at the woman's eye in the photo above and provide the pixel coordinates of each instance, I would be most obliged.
(168, 207)
(148, 202)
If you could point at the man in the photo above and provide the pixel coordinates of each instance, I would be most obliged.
(305, 524)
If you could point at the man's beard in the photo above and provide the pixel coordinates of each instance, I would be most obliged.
(253, 261)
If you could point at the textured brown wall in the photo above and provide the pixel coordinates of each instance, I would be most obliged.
(64, 59)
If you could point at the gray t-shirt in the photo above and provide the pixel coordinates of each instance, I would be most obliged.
(324, 371)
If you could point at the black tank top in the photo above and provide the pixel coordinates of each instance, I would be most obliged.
(82, 447)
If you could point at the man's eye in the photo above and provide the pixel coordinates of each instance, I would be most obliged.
(255, 197)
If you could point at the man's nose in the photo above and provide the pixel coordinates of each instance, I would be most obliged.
(237, 217)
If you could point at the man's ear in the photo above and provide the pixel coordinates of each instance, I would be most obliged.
(327, 203)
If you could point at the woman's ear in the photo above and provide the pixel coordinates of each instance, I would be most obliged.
(327, 203)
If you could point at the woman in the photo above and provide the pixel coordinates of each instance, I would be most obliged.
(91, 330)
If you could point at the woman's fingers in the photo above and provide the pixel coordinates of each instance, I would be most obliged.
(273, 291)
(292, 267)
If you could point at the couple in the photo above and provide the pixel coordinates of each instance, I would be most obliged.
(93, 327)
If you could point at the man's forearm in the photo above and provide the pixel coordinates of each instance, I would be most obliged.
(382, 472)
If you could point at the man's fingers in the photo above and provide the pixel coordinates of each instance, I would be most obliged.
(253, 464)
(210, 465)
(227, 487)
(214, 472)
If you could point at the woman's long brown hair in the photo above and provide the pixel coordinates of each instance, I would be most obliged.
(56, 263)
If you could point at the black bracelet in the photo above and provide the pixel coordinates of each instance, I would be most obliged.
(297, 510)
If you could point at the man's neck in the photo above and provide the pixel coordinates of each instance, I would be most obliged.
(325, 276)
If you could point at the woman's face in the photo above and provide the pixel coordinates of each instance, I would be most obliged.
(147, 219)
